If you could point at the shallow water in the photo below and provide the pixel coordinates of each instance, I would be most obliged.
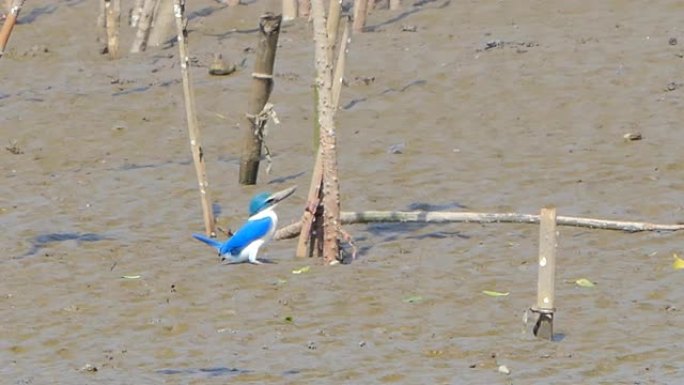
(104, 188)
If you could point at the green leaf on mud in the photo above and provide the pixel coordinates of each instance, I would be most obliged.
(493, 293)
(583, 282)
(302, 270)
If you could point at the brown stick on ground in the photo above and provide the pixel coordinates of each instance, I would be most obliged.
(293, 229)
(191, 115)
(112, 25)
(331, 192)
(144, 24)
(9, 23)
(262, 84)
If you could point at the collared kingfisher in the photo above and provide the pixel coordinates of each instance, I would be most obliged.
(244, 245)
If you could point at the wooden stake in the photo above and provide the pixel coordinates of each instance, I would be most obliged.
(162, 26)
(112, 25)
(9, 23)
(144, 24)
(394, 5)
(191, 115)
(289, 10)
(548, 243)
(262, 84)
(360, 9)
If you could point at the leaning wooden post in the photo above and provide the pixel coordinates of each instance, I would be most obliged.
(360, 10)
(191, 115)
(9, 23)
(112, 23)
(548, 243)
(262, 84)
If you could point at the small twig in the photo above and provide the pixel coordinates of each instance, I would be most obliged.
(191, 116)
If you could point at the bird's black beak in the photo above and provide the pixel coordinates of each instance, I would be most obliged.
(280, 195)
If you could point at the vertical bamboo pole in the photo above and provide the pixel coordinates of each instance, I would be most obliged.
(548, 243)
(9, 23)
(360, 9)
(191, 115)
(289, 10)
(146, 16)
(331, 192)
(112, 25)
(262, 84)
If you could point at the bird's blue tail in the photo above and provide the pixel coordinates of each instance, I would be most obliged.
(209, 241)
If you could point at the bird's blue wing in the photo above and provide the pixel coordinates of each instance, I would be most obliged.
(209, 241)
(250, 231)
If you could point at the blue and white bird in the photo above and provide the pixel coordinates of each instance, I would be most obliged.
(244, 245)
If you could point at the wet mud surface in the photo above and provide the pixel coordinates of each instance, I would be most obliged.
(466, 106)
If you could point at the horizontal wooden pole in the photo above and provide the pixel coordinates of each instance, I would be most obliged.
(293, 230)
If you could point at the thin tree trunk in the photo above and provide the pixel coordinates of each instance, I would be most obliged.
(162, 28)
(331, 192)
(191, 115)
(262, 84)
(9, 23)
(140, 41)
(113, 24)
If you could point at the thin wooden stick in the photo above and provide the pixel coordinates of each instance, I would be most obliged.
(112, 25)
(331, 192)
(191, 115)
(9, 23)
(394, 5)
(262, 84)
(289, 10)
(548, 243)
(293, 230)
